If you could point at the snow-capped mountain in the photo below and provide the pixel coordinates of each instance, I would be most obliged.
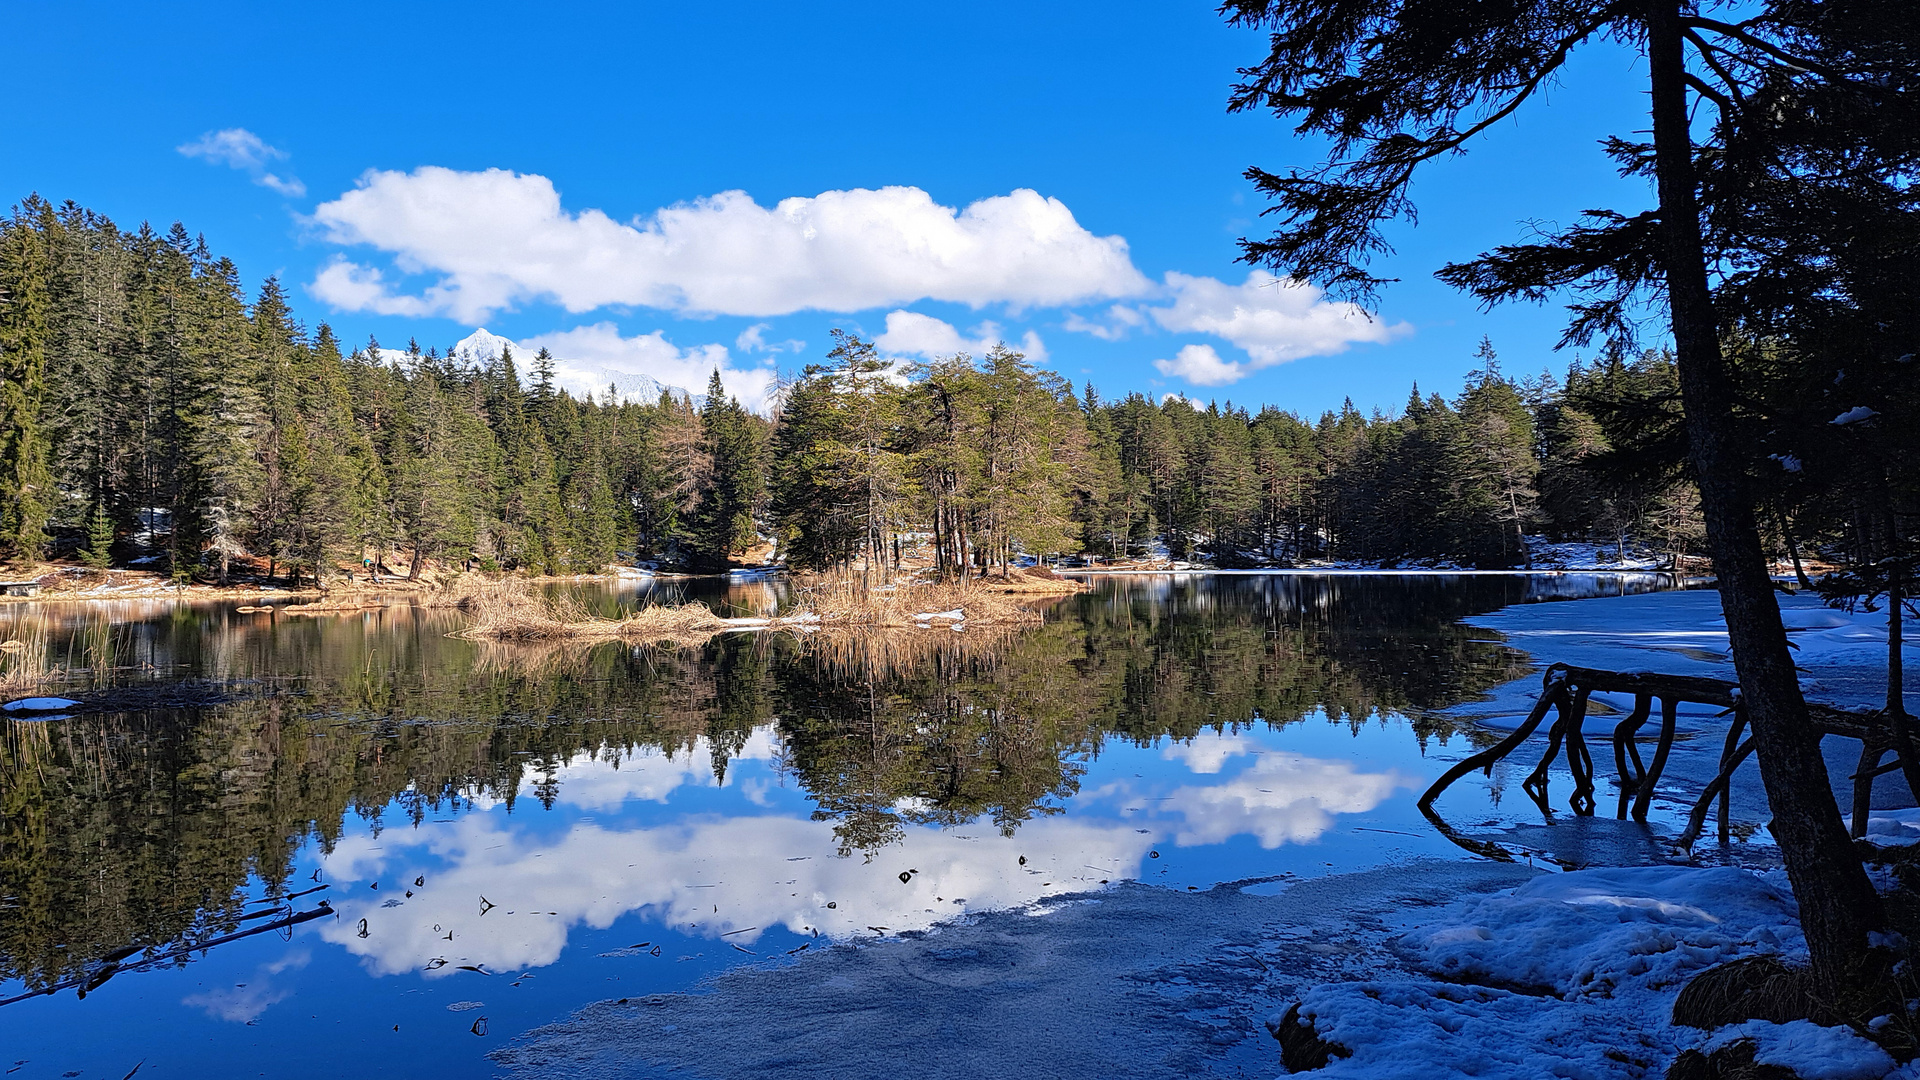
(483, 347)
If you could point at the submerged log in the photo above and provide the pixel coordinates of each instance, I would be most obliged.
(1565, 689)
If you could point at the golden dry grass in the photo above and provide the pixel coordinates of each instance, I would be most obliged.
(845, 601)
(511, 611)
(26, 666)
(1037, 581)
(332, 605)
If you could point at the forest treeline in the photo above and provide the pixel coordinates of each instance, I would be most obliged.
(152, 410)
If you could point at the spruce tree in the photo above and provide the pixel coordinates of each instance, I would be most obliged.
(25, 483)
(723, 521)
(99, 550)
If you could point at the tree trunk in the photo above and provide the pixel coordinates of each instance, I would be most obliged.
(1793, 549)
(1838, 907)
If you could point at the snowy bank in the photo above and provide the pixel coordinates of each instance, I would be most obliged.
(1843, 654)
(1570, 975)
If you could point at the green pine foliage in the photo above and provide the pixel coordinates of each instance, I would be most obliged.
(147, 400)
(25, 288)
(723, 521)
(99, 550)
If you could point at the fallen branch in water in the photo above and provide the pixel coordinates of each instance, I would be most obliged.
(93, 979)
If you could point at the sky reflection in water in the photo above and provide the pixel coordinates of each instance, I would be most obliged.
(1240, 729)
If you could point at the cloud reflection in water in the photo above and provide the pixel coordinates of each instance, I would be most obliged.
(708, 875)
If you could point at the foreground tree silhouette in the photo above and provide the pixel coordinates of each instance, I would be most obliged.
(1393, 84)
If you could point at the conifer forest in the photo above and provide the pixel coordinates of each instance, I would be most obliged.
(1377, 539)
(156, 411)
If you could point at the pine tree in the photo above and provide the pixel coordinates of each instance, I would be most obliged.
(724, 519)
(99, 551)
(816, 496)
(1500, 466)
(25, 484)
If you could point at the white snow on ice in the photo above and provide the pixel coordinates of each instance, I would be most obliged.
(1562, 976)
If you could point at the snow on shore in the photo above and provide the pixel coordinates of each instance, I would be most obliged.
(1570, 975)
(1843, 654)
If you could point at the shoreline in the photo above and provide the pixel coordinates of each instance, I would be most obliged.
(1338, 571)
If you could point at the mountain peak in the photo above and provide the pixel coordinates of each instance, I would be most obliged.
(483, 347)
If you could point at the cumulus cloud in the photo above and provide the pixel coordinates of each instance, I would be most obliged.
(238, 148)
(1120, 319)
(1272, 319)
(352, 287)
(1201, 365)
(589, 358)
(910, 333)
(495, 238)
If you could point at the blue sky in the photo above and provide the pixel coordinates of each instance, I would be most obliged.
(1063, 176)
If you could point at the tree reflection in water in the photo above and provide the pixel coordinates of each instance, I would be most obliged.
(157, 827)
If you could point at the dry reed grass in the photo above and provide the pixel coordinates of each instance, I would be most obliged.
(1037, 581)
(332, 605)
(26, 666)
(465, 589)
(511, 611)
(845, 601)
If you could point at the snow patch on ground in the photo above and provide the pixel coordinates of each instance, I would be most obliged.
(1569, 975)
(1894, 828)
(1811, 1051)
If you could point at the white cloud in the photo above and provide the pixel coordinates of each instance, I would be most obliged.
(353, 287)
(1120, 319)
(588, 358)
(1202, 366)
(496, 238)
(1274, 319)
(910, 333)
(754, 339)
(238, 148)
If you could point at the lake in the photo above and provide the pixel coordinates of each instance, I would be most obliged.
(502, 834)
